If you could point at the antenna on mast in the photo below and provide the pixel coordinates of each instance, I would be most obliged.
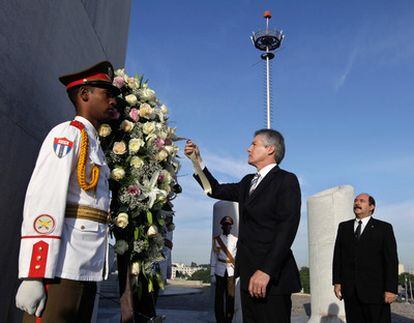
(267, 40)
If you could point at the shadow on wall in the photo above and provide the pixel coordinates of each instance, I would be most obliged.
(332, 316)
(400, 319)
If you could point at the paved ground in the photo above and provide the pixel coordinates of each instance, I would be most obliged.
(195, 305)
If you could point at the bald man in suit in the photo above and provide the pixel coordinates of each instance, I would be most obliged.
(365, 265)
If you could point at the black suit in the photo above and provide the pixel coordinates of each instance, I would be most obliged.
(268, 221)
(366, 268)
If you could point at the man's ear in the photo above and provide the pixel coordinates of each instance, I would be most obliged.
(83, 93)
(270, 150)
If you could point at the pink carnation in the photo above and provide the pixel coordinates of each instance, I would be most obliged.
(160, 178)
(134, 114)
(159, 143)
(133, 190)
(118, 82)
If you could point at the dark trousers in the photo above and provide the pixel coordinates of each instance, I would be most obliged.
(224, 299)
(68, 301)
(271, 309)
(359, 312)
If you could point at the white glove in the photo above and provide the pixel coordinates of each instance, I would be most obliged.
(31, 297)
(213, 279)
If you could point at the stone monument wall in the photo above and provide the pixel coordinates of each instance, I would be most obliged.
(41, 40)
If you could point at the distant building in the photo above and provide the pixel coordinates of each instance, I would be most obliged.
(183, 270)
(401, 269)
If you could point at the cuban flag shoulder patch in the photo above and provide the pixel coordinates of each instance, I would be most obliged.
(62, 146)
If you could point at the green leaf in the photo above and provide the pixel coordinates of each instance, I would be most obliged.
(150, 286)
(136, 234)
(160, 281)
(149, 217)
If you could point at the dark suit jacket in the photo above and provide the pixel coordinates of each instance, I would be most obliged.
(370, 265)
(268, 221)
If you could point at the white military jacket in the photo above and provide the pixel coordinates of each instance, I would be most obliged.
(52, 245)
(219, 261)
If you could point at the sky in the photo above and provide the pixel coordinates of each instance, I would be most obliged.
(342, 95)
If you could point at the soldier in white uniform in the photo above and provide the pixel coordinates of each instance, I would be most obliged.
(223, 254)
(63, 251)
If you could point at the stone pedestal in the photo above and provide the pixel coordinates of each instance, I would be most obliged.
(220, 210)
(326, 210)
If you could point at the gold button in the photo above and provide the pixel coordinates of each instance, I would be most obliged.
(38, 258)
(37, 267)
(40, 249)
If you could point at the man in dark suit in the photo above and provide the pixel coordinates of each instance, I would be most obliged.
(269, 214)
(365, 265)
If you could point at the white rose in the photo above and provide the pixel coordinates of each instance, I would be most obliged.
(121, 220)
(118, 173)
(119, 148)
(132, 83)
(164, 109)
(162, 135)
(104, 130)
(120, 72)
(135, 269)
(145, 111)
(148, 127)
(161, 155)
(131, 99)
(136, 162)
(135, 144)
(152, 231)
(127, 125)
(147, 94)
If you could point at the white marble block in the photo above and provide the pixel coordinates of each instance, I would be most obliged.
(326, 210)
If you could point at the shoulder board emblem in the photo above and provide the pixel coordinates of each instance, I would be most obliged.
(62, 146)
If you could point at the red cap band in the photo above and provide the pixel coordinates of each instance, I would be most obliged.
(95, 77)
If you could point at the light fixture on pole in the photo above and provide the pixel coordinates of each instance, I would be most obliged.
(268, 41)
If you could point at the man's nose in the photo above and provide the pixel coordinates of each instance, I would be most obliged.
(112, 101)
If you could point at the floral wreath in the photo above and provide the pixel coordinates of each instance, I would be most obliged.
(140, 151)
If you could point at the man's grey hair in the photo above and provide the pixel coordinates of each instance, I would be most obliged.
(273, 138)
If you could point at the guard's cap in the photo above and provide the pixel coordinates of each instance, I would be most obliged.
(226, 219)
(100, 75)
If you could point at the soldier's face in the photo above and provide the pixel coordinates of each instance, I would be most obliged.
(102, 102)
(226, 227)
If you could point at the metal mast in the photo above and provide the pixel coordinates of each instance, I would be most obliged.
(268, 41)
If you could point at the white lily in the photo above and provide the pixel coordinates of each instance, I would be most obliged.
(150, 190)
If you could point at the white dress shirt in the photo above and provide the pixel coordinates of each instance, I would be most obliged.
(363, 224)
(264, 171)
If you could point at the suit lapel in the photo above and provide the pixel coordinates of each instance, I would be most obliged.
(262, 185)
(368, 228)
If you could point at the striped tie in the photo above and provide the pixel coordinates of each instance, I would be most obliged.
(253, 183)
